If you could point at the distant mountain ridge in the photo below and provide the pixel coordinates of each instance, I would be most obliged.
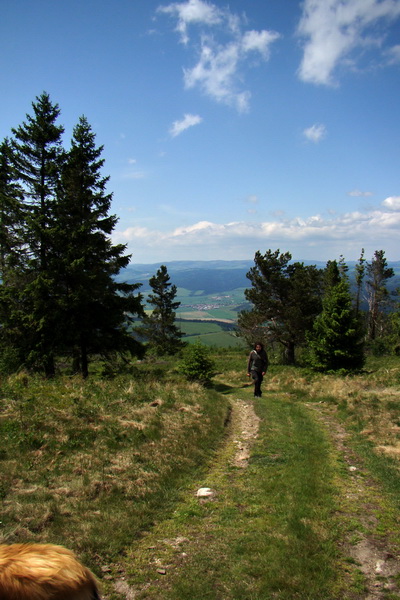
(217, 276)
(206, 276)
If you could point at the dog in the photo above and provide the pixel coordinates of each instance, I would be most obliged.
(44, 572)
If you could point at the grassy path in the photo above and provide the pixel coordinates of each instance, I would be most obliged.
(292, 516)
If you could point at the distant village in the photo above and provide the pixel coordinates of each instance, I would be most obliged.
(220, 301)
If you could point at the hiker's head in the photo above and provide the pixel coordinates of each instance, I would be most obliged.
(258, 346)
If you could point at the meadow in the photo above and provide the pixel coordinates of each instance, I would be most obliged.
(210, 333)
(110, 468)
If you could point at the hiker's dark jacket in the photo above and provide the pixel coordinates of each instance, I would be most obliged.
(258, 361)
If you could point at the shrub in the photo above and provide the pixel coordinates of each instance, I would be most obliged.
(197, 364)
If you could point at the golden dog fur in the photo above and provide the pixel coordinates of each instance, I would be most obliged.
(44, 572)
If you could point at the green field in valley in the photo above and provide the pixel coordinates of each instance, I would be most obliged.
(210, 333)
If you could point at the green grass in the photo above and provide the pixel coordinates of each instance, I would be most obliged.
(270, 532)
(196, 328)
(216, 314)
(222, 339)
(223, 313)
(109, 467)
(277, 530)
(91, 464)
(210, 334)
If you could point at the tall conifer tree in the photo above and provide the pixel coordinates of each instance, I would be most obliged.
(336, 341)
(11, 214)
(96, 307)
(11, 260)
(38, 156)
(378, 273)
(360, 273)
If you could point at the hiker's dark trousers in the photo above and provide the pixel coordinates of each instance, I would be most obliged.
(257, 378)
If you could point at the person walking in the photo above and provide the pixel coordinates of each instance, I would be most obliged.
(257, 367)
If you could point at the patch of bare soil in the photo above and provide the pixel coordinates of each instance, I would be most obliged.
(373, 555)
(247, 426)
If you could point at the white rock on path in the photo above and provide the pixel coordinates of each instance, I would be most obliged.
(205, 492)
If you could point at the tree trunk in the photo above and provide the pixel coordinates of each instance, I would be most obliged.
(84, 360)
(289, 357)
(49, 368)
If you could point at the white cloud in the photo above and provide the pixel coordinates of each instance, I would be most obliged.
(392, 203)
(359, 193)
(259, 41)
(217, 72)
(316, 237)
(393, 55)
(315, 133)
(192, 12)
(188, 121)
(333, 29)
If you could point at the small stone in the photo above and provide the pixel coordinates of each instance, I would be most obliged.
(162, 571)
(379, 566)
(204, 492)
(155, 403)
(352, 468)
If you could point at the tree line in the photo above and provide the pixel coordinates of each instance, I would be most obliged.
(298, 306)
(59, 295)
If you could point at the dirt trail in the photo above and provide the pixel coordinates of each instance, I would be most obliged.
(248, 425)
(361, 497)
(373, 555)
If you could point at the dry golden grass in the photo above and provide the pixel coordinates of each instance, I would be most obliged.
(371, 399)
(88, 464)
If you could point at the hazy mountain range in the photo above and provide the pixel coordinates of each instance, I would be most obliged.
(217, 276)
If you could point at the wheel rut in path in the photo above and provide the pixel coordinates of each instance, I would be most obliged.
(247, 431)
(374, 556)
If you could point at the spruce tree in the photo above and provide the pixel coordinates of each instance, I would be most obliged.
(378, 273)
(63, 296)
(11, 258)
(28, 308)
(97, 308)
(39, 155)
(360, 273)
(159, 327)
(11, 214)
(336, 341)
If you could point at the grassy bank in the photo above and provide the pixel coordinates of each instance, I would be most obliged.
(92, 464)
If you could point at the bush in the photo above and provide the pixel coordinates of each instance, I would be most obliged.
(9, 360)
(197, 364)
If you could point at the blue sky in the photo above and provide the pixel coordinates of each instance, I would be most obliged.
(227, 127)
